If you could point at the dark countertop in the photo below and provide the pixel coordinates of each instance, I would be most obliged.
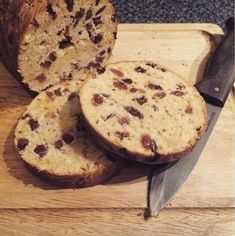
(173, 11)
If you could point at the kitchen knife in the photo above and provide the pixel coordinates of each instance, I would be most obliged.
(215, 87)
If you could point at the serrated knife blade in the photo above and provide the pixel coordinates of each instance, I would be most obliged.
(167, 179)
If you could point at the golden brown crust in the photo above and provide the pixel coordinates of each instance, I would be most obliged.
(14, 20)
(79, 180)
(110, 147)
(15, 17)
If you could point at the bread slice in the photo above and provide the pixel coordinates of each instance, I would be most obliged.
(51, 139)
(144, 112)
(49, 41)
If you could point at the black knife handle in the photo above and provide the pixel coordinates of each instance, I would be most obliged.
(218, 81)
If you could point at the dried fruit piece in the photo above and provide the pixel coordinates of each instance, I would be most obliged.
(88, 28)
(89, 14)
(66, 42)
(115, 35)
(146, 141)
(180, 86)
(72, 96)
(97, 20)
(178, 93)
(122, 135)
(46, 64)
(33, 124)
(50, 94)
(120, 85)
(102, 52)
(159, 95)
(78, 16)
(109, 50)
(41, 78)
(22, 144)
(134, 112)
(97, 99)
(52, 56)
(133, 90)
(59, 144)
(99, 59)
(153, 65)
(141, 100)
(154, 86)
(97, 39)
(116, 72)
(68, 138)
(93, 64)
(149, 144)
(41, 150)
(100, 10)
(97, 2)
(127, 81)
(140, 69)
(124, 120)
(189, 110)
(65, 90)
(51, 11)
(101, 70)
(58, 92)
(70, 4)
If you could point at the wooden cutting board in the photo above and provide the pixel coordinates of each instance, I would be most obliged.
(182, 48)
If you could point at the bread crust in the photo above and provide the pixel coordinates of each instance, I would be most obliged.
(135, 156)
(78, 180)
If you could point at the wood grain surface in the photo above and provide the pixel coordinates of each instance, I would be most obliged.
(203, 206)
(171, 222)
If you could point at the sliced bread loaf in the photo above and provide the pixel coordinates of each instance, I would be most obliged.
(144, 112)
(52, 40)
(51, 139)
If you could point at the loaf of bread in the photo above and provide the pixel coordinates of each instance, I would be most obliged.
(143, 112)
(47, 41)
(51, 139)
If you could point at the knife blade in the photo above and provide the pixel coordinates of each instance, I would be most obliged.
(215, 87)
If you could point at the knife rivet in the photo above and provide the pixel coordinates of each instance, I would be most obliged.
(216, 89)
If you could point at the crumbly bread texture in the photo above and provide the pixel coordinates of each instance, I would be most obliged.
(52, 40)
(51, 139)
(143, 112)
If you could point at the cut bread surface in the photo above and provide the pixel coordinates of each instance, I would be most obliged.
(50, 137)
(144, 112)
(57, 40)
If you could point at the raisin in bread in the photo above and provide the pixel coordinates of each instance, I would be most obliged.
(143, 112)
(51, 139)
(52, 40)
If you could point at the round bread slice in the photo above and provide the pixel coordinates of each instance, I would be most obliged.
(144, 112)
(53, 40)
(51, 139)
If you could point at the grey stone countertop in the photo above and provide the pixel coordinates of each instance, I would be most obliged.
(174, 11)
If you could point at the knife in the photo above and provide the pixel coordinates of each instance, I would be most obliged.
(215, 87)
